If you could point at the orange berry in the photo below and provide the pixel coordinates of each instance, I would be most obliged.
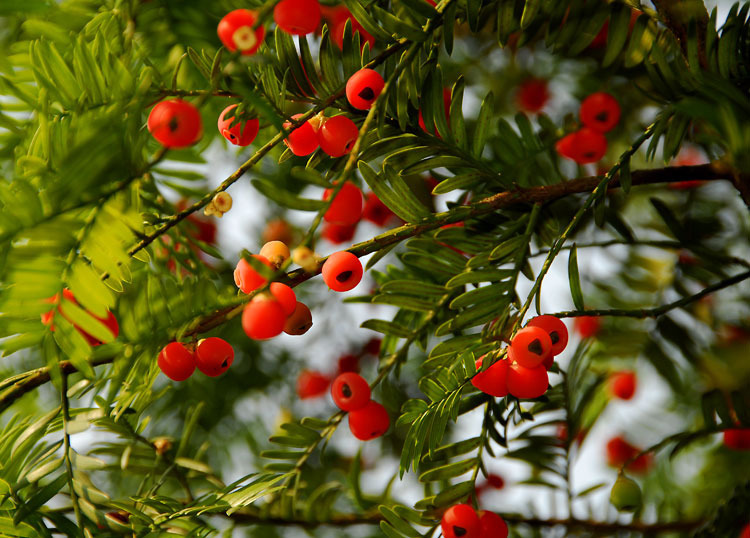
(311, 384)
(247, 278)
(275, 252)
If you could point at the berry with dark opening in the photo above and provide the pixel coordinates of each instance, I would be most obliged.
(285, 296)
(304, 139)
(176, 361)
(622, 384)
(527, 382)
(213, 356)
(587, 326)
(337, 136)
(600, 111)
(236, 31)
(558, 332)
(350, 391)
(248, 279)
(242, 133)
(531, 345)
(338, 233)
(737, 438)
(532, 95)
(590, 146)
(263, 318)
(369, 422)
(312, 384)
(175, 123)
(297, 17)
(342, 271)
(491, 525)
(300, 321)
(376, 211)
(494, 380)
(275, 252)
(346, 207)
(625, 495)
(363, 87)
(460, 521)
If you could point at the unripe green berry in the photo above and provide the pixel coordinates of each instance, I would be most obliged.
(626, 495)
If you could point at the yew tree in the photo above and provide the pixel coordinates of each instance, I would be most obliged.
(496, 192)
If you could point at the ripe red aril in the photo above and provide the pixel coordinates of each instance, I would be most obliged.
(494, 380)
(556, 329)
(242, 133)
(304, 139)
(600, 111)
(527, 382)
(346, 207)
(285, 296)
(491, 525)
(342, 271)
(622, 384)
(350, 391)
(248, 279)
(263, 318)
(460, 521)
(297, 17)
(300, 321)
(213, 356)
(337, 136)
(236, 31)
(175, 123)
(531, 346)
(363, 88)
(532, 95)
(176, 361)
(369, 422)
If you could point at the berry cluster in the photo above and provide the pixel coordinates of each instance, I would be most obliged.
(530, 354)
(462, 521)
(367, 418)
(110, 322)
(346, 211)
(212, 356)
(599, 113)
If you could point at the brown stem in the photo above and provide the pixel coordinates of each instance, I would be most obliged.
(677, 14)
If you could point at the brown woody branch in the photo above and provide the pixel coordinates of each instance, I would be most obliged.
(677, 14)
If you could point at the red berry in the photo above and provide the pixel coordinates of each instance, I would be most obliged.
(346, 207)
(745, 531)
(531, 346)
(527, 382)
(342, 271)
(532, 95)
(495, 481)
(297, 17)
(337, 136)
(494, 380)
(300, 321)
(586, 146)
(600, 111)
(263, 318)
(213, 356)
(339, 26)
(556, 329)
(110, 322)
(737, 438)
(587, 326)
(338, 233)
(311, 384)
(376, 211)
(363, 87)
(240, 134)
(619, 451)
(372, 346)
(460, 521)
(236, 31)
(175, 123)
(285, 296)
(447, 107)
(622, 385)
(348, 363)
(491, 525)
(304, 139)
(247, 278)
(566, 147)
(369, 422)
(176, 361)
(350, 391)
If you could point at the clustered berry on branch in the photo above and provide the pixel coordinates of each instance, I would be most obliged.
(599, 114)
(462, 521)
